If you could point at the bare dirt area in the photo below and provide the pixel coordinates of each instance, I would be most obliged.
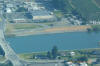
(68, 29)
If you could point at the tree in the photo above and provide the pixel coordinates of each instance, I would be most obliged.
(2, 51)
(58, 4)
(28, 15)
(49, 55)
(54, 52)
(89, 30)
(96, 29)
(21, 9)
(98, 60)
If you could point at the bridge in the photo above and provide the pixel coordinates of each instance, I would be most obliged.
(9, 53)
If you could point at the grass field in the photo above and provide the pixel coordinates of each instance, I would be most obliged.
(26, 26)
(22, 26)
(2, 59)
(28, 56)
(12, 27)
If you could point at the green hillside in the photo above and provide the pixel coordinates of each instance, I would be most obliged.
(97, 2)
(86, 9)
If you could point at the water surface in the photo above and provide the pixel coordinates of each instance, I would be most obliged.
(64, 41)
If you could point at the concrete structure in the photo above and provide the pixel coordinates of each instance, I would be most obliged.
(9, 53)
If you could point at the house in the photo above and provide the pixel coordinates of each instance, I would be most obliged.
(8, 10)
(17, 17)
(19, 20)
(72, 53)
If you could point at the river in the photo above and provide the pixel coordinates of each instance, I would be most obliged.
(64, 41)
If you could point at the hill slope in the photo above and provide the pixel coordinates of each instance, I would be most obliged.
(87, 9)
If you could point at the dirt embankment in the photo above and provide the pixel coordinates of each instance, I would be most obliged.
(50, 30)
(68, 29)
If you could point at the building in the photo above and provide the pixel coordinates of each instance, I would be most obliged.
(94, 22)
(42, 16)
(72, 53)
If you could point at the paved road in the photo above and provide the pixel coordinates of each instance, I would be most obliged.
(9, 53)
(46, 64)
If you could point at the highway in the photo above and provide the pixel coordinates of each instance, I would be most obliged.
(9, 53)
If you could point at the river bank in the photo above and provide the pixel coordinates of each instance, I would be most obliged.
(51, 30)
(65, 56)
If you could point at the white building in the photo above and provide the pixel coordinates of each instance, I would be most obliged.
(72, 53)
(8, 10)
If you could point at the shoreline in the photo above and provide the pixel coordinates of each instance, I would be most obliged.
(60, 50)
(52, 30)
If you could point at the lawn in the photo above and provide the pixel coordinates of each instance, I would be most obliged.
(12, 27)
(30, 56)
(26, 26)
(2, 59)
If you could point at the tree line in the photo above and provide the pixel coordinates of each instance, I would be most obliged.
(53, 53)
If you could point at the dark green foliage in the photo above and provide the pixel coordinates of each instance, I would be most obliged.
(84, 58)
(49, 55)
(95, 28)
(89, 30)
(28, 15)
(1, 51)
(85, 9)
(21, 9)
(98, 60)
(54, 52)
(62, 5)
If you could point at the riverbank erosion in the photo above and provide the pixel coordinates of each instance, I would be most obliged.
(49, 30)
